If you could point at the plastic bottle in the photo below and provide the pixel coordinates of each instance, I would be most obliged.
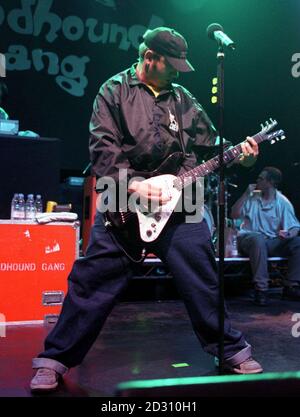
(14, 207)
(38, 204)
(234, 248)
(30, 208)
(20, 212)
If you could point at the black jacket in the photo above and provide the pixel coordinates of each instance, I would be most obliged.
(131, 128)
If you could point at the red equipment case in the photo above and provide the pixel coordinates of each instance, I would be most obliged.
(35, 261)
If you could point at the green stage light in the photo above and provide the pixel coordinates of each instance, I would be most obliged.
(188, 6)
(180, 365)
(273, 383)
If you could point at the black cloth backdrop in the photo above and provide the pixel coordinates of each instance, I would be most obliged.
(59, 52)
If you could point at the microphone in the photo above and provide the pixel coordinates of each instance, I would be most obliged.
(215, 32)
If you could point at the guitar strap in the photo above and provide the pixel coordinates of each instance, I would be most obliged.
(179, 120)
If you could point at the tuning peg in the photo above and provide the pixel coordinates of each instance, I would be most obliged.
(264, 126)
(282, 137)
(273, 141)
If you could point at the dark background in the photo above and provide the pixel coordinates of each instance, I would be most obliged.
(258, 79)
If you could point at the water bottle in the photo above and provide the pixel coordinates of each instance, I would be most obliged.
(234, 249)
(14, 206)
(30, 208)
(19, 213)
(38, 204)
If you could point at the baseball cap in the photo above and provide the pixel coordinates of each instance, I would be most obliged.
(171, 45)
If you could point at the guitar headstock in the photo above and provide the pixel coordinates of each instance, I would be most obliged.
(269, 125)
(272, 137)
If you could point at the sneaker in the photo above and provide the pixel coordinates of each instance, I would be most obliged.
(291, 293)
(261, 298)
(45, 379)
(249, 366)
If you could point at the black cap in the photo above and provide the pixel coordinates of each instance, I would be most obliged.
(171, 45)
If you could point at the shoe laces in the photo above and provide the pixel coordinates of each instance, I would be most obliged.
(44, 371)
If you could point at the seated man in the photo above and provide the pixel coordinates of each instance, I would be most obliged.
(269, 228)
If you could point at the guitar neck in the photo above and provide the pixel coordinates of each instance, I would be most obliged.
(211, 165)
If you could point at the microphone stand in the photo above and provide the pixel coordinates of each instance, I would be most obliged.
(221, 202)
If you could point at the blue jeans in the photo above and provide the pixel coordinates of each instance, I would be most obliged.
(96, 281)
(258, 248)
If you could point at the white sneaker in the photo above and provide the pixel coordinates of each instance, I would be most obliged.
(45, 379)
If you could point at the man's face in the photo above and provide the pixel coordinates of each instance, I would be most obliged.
(161, 72)
(262, 183)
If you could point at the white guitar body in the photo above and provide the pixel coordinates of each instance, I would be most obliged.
(151, 221)
(151, 224)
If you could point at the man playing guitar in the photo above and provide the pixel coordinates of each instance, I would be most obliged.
(140, 118)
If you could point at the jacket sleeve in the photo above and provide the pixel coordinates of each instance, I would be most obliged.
(106, 139)
(207, 140)
(205, 132)
(205, 137)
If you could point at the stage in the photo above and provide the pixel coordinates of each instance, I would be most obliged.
(153, 340)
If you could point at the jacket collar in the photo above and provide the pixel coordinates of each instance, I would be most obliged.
(134, 80)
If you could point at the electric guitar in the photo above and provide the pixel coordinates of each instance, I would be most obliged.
(141, 226)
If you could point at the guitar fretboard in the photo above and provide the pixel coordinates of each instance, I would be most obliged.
(211, 165)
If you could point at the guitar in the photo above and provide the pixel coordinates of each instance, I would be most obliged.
(141, 226)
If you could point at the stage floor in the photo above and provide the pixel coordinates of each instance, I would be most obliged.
(144, 340)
